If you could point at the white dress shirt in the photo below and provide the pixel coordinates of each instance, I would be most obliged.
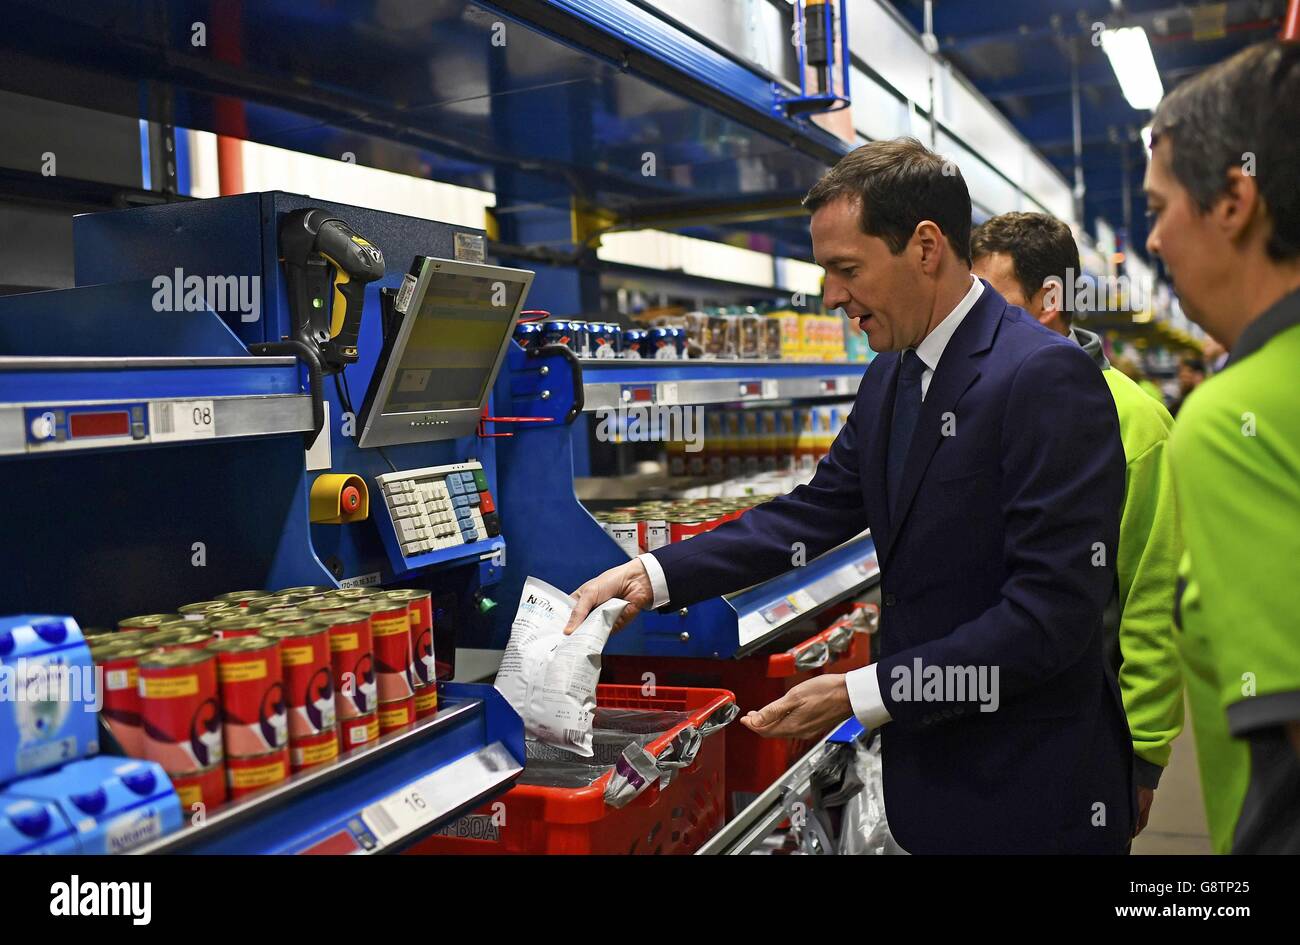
(863, 684)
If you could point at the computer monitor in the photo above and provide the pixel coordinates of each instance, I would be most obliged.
(434, 375)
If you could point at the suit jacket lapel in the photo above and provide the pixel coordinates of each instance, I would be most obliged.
(957, 371)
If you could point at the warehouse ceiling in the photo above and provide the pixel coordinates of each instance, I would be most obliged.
(1018, 53)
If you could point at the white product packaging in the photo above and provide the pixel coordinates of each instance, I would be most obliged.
(548, 678)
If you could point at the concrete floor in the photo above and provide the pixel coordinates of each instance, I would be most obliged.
(1177, 823)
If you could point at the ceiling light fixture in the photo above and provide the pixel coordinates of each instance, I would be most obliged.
(1129, 52)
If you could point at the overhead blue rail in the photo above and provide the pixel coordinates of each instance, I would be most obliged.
(642, 42)
(575, 93)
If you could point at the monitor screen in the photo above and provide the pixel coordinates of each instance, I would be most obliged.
(458, 331)
(436, 371)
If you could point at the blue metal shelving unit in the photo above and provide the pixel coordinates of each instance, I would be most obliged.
(554, 537)
(377, 799)
(562, 113)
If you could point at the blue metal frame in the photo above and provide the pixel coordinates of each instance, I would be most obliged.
(553, 536)
(840, 50)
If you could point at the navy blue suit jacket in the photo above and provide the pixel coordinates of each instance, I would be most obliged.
(999, 553)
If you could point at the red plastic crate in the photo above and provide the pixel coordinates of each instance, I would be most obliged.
(675, 819)
(754, 763)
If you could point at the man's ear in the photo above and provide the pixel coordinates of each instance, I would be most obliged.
(1045, 305)
(929, 240)
(1239, 207)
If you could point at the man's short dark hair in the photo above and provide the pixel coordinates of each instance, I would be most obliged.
(1041, 247)
(1193, 363)
(1243, 112)
(899, 183)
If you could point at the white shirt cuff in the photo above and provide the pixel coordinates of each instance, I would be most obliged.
(864, 696)
(658, 583)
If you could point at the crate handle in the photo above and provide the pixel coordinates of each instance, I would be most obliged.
(724, 716)
(839, 637)
(816, 654)
(681, 751)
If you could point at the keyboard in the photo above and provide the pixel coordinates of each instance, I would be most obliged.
(439, 507)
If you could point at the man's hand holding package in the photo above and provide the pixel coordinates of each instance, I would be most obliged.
(628, 581)
(806, 711)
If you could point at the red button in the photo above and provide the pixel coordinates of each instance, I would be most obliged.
(485, 503)
(350, 499)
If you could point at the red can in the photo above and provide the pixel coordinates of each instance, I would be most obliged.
(352, 658)
(241, 624)
(390, 626)
(419, 605)
(206, 788)
(203, 608)
(190, 640)
(426, 701)
(241, 598)
(353, 733)
(396, 715)
(308, 679)
(314, 750)
(254, 773)
(144, 622)
(680, 529)
(253, 712)
(180, 711)
(121, 689)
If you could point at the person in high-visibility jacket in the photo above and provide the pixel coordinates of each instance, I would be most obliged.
(1030, 258)
(1221, 191)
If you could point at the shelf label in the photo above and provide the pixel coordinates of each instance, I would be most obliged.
(801, 600)
(868, 566)
(181, 420)
(667, 393)
(770, 389)
(399, 814)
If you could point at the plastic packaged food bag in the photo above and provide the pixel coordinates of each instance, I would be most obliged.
(864, 828)
(548, 678)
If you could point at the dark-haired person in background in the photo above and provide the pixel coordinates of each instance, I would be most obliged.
(1191, 374)
(1028, 258)
(994, 504)
(1229, 235)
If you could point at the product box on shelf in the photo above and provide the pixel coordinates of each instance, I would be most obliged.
(48, 704)
(34, 826)
(113, 804)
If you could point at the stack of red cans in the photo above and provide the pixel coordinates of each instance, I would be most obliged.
(419, 604)
(390, 627)
(253, 715)
(308, 691)
(180, 714)
(352, 660)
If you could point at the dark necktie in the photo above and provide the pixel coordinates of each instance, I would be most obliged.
(907, 406)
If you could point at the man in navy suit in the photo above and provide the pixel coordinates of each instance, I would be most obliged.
(994, 501)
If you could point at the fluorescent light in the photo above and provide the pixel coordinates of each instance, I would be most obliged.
(1130, 56)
